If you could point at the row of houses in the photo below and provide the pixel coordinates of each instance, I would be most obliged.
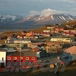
(51, 30)
(70, 50)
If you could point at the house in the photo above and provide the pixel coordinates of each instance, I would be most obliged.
(28, 34)
(53, 48)
(46, 31)
(18, 41)
(66, 40)
(2, 58)
(23, 56)
(20, 37)
(41, 54)
(73, 31)
(50, 27)
(70, 32)
(22, 41)
(72, 51)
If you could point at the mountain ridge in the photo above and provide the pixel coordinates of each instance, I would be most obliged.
(30, 22)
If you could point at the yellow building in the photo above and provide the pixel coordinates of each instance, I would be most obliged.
(67, 40)
(46, 31)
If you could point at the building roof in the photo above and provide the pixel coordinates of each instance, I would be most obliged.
(71, 50)
(2, 50)
(27, 53)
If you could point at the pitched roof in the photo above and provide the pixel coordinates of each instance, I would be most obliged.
(2, 50)
(71, 50)
(23, 53)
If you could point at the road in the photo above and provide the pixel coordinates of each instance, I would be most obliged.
(69, 71)
(66, 73)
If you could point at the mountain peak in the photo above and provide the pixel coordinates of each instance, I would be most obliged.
(47, 12)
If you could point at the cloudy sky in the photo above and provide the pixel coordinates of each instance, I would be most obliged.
(26, 7)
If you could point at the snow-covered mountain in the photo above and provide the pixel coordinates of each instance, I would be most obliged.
(4, 19)
(50, 19)
(17, 22)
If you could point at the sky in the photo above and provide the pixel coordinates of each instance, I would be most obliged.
(31, 7)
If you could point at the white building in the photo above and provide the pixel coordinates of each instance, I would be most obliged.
(22, 41)
(2, 58)
(46, 31)
(18, 41)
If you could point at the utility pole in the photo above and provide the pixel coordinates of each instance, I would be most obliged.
(20, 54)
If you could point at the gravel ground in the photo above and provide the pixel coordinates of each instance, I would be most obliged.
(66, 73)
